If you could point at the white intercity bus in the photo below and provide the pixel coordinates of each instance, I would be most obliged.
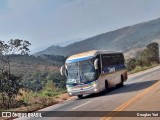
(94, 71)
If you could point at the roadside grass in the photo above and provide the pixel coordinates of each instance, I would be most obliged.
(30, 101)
(142, 68)
(33, 101)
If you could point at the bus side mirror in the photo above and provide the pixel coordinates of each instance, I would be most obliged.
(63, 70)
(96, 64)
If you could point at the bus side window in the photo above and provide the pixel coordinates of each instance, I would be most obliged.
(106, 62)
(120, 59)
(110, 61)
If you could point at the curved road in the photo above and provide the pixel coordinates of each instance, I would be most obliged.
(141, 92)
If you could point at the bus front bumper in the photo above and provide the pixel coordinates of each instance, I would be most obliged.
(83, 91)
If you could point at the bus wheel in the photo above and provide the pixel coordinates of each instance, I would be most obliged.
(121, 84)
(80, 96)
(106, 87)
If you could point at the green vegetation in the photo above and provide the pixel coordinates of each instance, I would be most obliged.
(41, 79)
(29, 80)
(142, 68)
(145, 59)
(10, 84)
(37, 80)
(39, 99)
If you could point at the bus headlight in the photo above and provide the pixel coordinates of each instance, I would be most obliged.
(94, 85)
(95, 90)
(68, 89)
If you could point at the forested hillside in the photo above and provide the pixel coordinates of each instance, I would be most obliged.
(37, 71)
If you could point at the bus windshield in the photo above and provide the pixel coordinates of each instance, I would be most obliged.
(80, 72)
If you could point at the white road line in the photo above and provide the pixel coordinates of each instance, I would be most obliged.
(144, 77)
(141, 79)
(81, 105)
(156, 73)
(148, 76)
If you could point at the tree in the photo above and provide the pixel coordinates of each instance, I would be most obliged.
(142, 59)
(9, 83)
(131, 64)
(153, 49)
(146, 57)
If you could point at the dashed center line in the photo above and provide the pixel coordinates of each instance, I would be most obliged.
(81, 105)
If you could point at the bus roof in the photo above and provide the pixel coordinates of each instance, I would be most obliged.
(88, 55)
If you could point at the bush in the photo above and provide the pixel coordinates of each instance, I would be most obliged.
(131, 64)
(138, 68)
(144, 59)
(48, 92)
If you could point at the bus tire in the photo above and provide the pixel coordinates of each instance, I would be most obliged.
(80, 96)
(121, 84)
(106, 90)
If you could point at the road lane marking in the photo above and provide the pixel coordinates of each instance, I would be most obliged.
(144, 77)
(81, 105)
(148, 76)
(129, 102)
(141, 79)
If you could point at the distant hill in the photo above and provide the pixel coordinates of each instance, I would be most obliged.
(68, 42)
(123, 39)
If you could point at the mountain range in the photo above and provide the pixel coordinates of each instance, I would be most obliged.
(124, 39)
(68, 42)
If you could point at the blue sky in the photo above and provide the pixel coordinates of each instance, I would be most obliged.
(46, 22)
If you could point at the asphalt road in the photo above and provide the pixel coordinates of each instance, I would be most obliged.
(138, 94)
